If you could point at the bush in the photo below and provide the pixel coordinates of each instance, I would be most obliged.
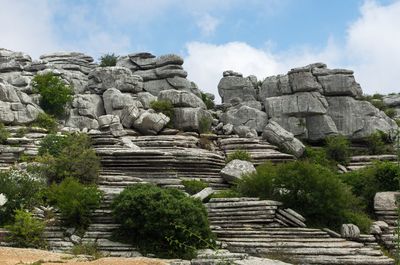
(46, 121)
(311, 189)
(72, 157)
(162, 221)
(205, 124)
(318, 156)
(55, 94)
(226, 194)
(194, 186)
(207, 101)
(108, 60)
(239, 154)
(163, 106)
(390, 112)
(21, 190)
(366, 182)
(26, 231)
(338, 148)
(90, 249)
(375, 143)
(75, 201)
(4, 134)
(52, 144)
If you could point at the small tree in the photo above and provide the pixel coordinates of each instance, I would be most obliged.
(109, 59)
(338, 148)
(55, 94)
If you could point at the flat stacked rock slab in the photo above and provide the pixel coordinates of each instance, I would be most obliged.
(358, 162)
(262, 228)
(260, 150)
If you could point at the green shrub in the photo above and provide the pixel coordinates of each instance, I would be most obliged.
(55, 94)
(21, 132)
(390, 112)
(226, 194)
(338, 148)
(205, 124)
(71, 156)
(378, 103)
(318, 156)
(90, 249)
(75, 201)
(311, 189)
(165, 107)
(109, 59)
(22, 191)
(366, 182)
(239, 154)
(194, 186)
(162, 221)
(4, 134)
(207, 101)
(362, 220)
(46, 121)
(375, 143)
(26, 231)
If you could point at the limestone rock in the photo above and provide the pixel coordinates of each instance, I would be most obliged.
(386, 201)
(245, 132)
(106, 120)
(275, 134)
(350, 231)
(234, 85)
(129, 115)
(303, 81)
(121, 78)
(339, 84)
(246, 116)
(75, 120)
(274, 86)
(181, 99)
(146, 98)
(235, 169)
(89, 105)
(115, 101)
(150, 123)
(204, 194)
(189, 119)
(392, 100)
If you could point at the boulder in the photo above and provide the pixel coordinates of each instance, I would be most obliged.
(89, 105)
(235, 169)
(129, 115)
(340, 85)
(234, 85)
(204, 194)
(150, 123)
(121, 78)
(146, 98)
(350, 231)
(245, 132)
(386, 201)
(189, 119)
(319, 127)
(115, 101)
(106, 120)
(242, 115)
(392, 100)
(303, 81)
(75, 120)
(182, 99)
(275, 134)
(274, 86)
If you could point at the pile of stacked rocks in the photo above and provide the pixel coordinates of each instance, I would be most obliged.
(393, 101)
(311, 102)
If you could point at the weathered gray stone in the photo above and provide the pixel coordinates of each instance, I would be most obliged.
(129, 115)
(386, 200)
(244, 115)
(204, 194)
(146, 98)
(150, 123)
(275, 134)
(106, 120)
(340, 85)
(234, 86)
(350, 231)
(245, 132)
(75, 120)
(319, 127)
(89, 105)
(392, 100)
(274, 86)
(303, 82)
(181, 99)
(227, 129)
(115, 101)
(188, 119)
(235, 169)
(121, 78)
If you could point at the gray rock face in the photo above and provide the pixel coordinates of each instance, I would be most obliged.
(386, 201)
(204, 194)
(146, 98)
(350, 231)
(338, 84)
(235, 169)
(159, 73)
(233, 85)
(150, 123)
(275, 134)
(274, 86)
(115, 101)
(89, 105)
(182, 99)
(121, 78)
(75, 120)
(241, 115)
(16, 107)
(189, 119)
(303, 81)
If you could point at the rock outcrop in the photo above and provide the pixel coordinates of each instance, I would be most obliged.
(311, 102)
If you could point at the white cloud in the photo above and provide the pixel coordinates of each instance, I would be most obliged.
(26, 26)
(207, 24)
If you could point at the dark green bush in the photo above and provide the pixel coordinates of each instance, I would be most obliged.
(22, 191)
(390, 112)
(162, 221)
(338, 148)
(208, 101)
(311, 189)
(26, 231)
(366, 182)
(4, 134)
(226, 194)
(378, 103)
(46, 121)
(205, 124)
(375, 143)
(75, 201)
(55, 94)
(239, 154)
(76, 159)
(194, 186)
(318, 156)
(109, 59)
(165, 107)
(52, 144)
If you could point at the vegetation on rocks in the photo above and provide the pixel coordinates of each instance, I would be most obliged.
(338, 148)
(4, 134)
(239, 154)
(75, 201)
(378, 143)
(165, 107)
(109, 59)
(45, 121)
(162, 221)
(205, 124)
(55, 94)
(194, 186)
(208, 101)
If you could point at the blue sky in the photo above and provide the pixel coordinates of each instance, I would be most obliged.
(261, 37)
